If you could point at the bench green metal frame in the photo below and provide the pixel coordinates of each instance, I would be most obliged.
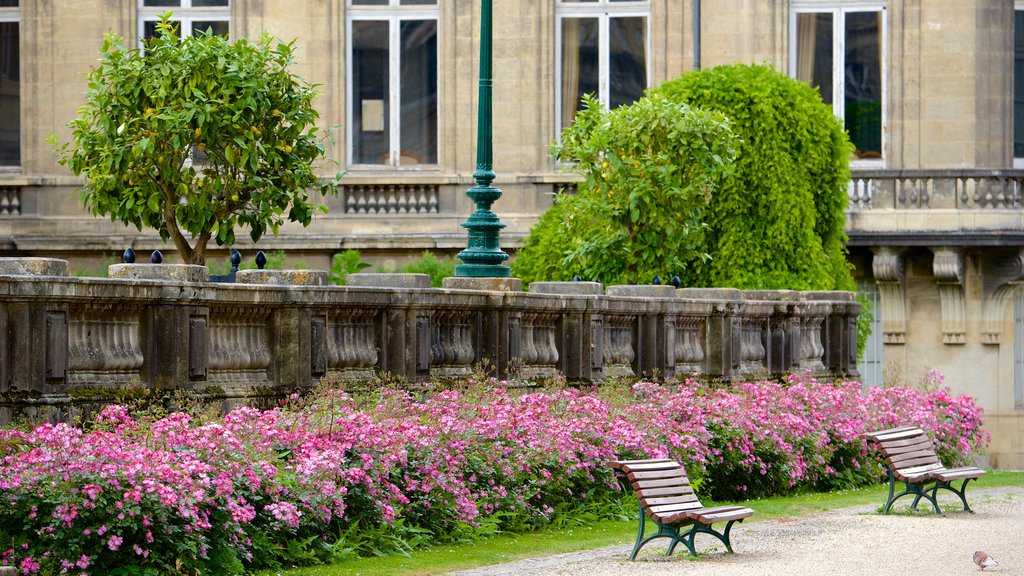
(911, 459)
(671, 505)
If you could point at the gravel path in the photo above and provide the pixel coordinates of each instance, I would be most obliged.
(852, 541)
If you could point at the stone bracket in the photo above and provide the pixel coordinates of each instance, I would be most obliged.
(888, 269)
(948, 267)
(998, 289)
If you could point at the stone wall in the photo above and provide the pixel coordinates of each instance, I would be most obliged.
(65, 340)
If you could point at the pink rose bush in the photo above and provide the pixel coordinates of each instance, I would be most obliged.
(327, 476)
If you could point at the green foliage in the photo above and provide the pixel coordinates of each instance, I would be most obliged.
(197, 137)
(649, 169)
(775, 217)
(437, 268)
(545, 249)
(777, 221)
(345, 263)
(864, 322)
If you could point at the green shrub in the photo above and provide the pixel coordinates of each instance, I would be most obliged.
(345, 263)
(777, 220)
(437, 268)
(649, 169)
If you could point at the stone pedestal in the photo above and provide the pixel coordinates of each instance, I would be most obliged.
(282, 277)
(388, 280)
(486, 284)
(165, 272)
(33, 267)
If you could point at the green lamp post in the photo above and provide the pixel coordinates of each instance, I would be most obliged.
(483, 257)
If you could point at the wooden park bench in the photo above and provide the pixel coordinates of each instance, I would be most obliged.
(910, 458)
(666, 497)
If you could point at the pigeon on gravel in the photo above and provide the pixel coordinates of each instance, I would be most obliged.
(983, 560)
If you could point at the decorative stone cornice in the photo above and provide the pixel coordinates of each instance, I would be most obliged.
(948, 267)
(1000, 283)
(888, 269)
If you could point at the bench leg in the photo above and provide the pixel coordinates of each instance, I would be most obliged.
(698, 528)
(917, 490)
(663, 532)
(960, 492)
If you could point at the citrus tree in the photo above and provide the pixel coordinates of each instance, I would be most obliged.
(648, 170)
(196, 137)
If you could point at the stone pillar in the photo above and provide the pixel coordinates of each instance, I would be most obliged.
(578, 339)
(722, 349)
(500, 328)
(404, 334)
(655, 343)
(176, 337)
(33, 332)
(299, 343)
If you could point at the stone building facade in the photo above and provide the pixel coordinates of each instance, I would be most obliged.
(932, 93)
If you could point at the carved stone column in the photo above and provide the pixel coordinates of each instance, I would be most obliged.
(948, 267)
(888, 268)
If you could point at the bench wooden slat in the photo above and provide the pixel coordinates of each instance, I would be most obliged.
(647, 484)
(661, 510)
(917, 462)
(959, 473)
(724, 516)
(889, 431)
(677, 473)
(678, 490)
(661, 501)
(907, 459)
(646, 466)
(900, 446)
(899, 435)
(617, 464)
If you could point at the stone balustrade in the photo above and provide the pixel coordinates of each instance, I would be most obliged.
(63, 339)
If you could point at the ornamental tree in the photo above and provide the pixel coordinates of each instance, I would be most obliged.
(648, 170)
(196, 137)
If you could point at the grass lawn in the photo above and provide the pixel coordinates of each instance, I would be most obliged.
(511, 547)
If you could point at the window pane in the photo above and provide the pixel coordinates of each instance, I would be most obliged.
(149, 29)
(418, 2)
(627, 51)
(369, 2)
(10, 95)
(418, 121)
(863, 80)
(209, 3)
(580, 66)
(1018, 84)
(814, 52)
(8, 3)
(370, 124)
(161, 3)
(215, 27)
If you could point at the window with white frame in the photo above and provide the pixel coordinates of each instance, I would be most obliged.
(10, 84)
(838, 47)
(870, 362)
(602, 49)
(1018, 84)
(392, 82)
(193, 16)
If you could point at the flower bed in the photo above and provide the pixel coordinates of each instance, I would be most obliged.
(330, 476)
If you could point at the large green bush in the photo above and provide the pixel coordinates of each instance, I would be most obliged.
(777, 219)
(649, 170)
(774, 219)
